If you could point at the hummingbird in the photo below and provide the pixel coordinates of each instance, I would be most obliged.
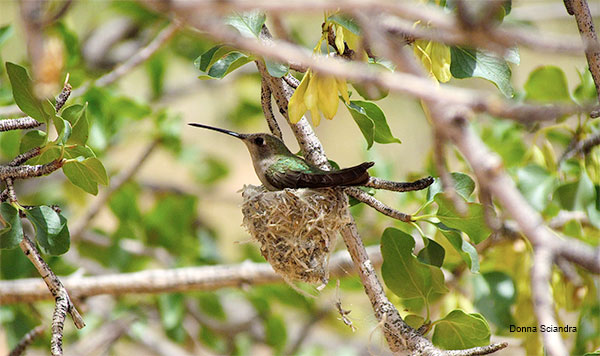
(278, 168)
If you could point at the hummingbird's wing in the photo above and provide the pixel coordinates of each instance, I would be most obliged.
(300, 174)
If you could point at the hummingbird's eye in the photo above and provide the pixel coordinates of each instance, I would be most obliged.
(259, 141)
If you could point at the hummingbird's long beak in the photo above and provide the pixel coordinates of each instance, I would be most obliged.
(231, 133)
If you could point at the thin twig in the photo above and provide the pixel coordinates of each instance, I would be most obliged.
(569, 271)
(63, 96)
(476, 351)
(27, 340)
(24, 157)
(265, 101)
(62, 10)
(583, 146)
(379, 183)
(305, 331)
(439, 157)
(585, 23)
(58, 291)
(542, 300)
(140, 57)
(376, 204)
(203, 278)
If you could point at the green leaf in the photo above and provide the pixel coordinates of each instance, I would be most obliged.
(5, 33)
(32, 139)
(276, 69)
(12, 233)
(230, 62)
(82, 176)
(156, 68)
(275, 332)
(22, 89)
(467, 63)
(172, 310)
(366, 114)
(51, 229)
(63, 128)
(78, 151)
(414, 321)
(536, 184)
(495, 293)
(71, 44)
(585, 92)
(577, 195)
(506, 139)
(76, 116)
(547, 84)
(432, 254)
(208, 58)
(96, 167)
(464, 248)
(373, 92)
(10, 142)
(473, 224)
(49, 153)
(463, 184)
(366, 125)
(404, 274)
(248, 24)
(459, 330)
(346, 22)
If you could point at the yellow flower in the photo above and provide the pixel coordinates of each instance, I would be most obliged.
(435, 57)
(317, 93)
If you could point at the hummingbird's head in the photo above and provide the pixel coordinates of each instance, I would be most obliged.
(260, 145)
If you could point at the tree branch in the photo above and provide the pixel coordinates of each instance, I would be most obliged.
(376, 204)
(542, 300)
(585, 23)
(583, 146)
(265, 101)
(24, 172)
(18, 124)
(203, 278)
(58, 291)
(140, 57)
(27, 340)
(379, 183)
(395, 81)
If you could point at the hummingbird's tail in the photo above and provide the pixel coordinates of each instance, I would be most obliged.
(356, 175)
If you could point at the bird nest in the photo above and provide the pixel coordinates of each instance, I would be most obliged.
(296, 228)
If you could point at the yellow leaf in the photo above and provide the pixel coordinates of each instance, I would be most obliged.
(311, 98)
(343, 89)
(339, 39)
(296, 105)
(440, 61)
(328, 97)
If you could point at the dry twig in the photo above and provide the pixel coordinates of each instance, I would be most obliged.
(58, 291)
(27, 340)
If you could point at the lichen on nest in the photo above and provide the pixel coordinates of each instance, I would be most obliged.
(296, 228)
